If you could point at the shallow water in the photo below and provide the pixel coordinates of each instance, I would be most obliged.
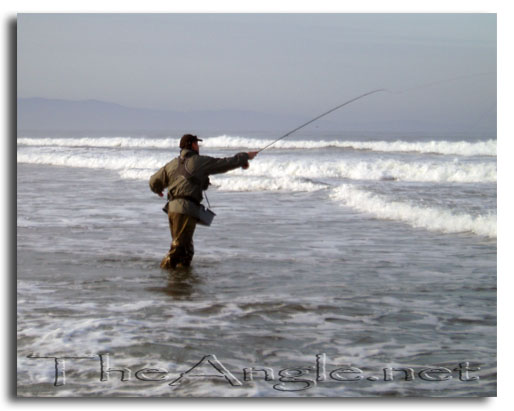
(303, 280)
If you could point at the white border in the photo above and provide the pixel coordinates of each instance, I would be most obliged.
(505, 171)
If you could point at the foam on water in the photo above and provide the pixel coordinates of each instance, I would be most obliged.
(434, 219)
(142, 165)
(382, 169)
(283, 183)
(310, 276)
(462, 148)
(240, 182)
(116, 161)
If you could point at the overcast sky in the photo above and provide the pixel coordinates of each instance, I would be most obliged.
(278, 63)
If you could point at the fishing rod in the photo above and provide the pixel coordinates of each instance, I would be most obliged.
(321, 115)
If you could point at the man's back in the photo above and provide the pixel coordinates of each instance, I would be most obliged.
(186, 177)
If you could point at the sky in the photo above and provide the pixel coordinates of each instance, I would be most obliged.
(436, 67)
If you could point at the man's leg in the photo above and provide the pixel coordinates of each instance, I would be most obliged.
(184, 229)
(181, 252)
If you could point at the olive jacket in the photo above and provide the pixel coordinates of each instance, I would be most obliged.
(185, 188)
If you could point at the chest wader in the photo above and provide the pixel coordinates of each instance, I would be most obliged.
(182, 226)
(204, 215)
(182, 250)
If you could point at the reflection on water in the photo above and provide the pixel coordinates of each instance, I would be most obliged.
(181, 283)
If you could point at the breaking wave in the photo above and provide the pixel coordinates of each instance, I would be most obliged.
(233, 182)
(69, 159)
(462, 148)
(430, 218)
(383, 169)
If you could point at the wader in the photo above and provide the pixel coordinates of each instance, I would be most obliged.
(181, 252)
(185, 194)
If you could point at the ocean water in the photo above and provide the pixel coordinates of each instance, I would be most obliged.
(336, 266)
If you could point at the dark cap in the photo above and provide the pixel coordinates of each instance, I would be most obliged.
(187, 140)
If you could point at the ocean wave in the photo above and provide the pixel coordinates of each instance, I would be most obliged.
(312, 168)
(242, 183)
(384, 169)
(266, 184)
(430, 218)
(101, 142)
(69, 159)
(462, 148)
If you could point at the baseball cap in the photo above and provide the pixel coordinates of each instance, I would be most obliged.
(188, 139)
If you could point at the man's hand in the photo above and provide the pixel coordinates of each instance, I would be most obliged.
(251, 155)
(160, 194)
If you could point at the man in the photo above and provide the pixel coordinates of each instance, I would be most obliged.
(186, 177)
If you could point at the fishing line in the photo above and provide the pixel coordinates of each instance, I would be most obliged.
(321, 115)
(205, 195)
(422, 86)
(436, 83)
(482, 117)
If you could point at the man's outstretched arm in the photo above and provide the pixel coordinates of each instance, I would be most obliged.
(222, 165)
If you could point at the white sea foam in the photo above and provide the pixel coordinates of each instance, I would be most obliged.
(265, 184)
(430, 218)
(463, 148)
(384, 169)
(101, 142)
(100, 161)
(241, 183)
(142, 166)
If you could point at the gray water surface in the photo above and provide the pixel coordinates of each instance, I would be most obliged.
(279, 281)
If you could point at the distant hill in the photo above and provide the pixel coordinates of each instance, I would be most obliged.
(43, 114)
